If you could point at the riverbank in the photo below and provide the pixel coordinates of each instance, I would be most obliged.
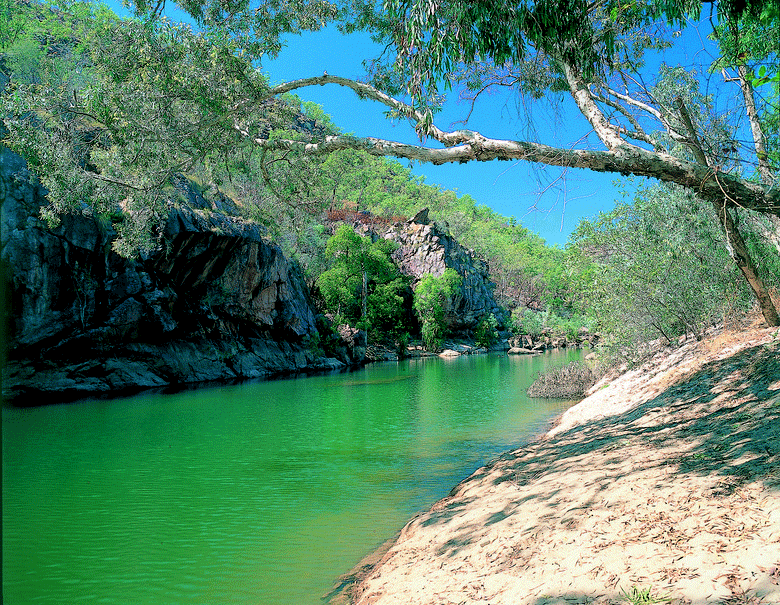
(665, 480)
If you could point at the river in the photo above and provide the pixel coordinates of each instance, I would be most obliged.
(258, 493)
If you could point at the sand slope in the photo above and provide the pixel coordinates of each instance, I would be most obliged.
(666, 478)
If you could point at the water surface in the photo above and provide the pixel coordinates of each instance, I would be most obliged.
(255, 493)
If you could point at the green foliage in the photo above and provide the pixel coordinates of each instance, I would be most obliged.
(486, 334)
(528, 321)
(108, 111)
(663, 268)
(526, 271)
(716, 131)
(13, 20)
(432, 297)
(639, 596)
(363, 287)
(562, 323)
(746, 47)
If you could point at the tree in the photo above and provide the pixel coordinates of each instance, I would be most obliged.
(534, 46)
(431, 298)
(363, 285)
(663, 269)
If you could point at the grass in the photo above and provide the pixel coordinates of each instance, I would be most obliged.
(638, 596)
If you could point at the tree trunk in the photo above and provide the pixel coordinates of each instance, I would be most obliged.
(736, 245)
(364, 298)
(740, 254)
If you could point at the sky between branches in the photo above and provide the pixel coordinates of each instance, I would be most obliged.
(546, 200)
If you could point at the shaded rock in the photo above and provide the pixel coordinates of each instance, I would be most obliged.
(215, 301)
(421, 217)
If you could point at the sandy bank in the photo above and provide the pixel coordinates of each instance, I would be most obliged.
(665, 479)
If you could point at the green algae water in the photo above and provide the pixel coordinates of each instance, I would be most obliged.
(257, 493)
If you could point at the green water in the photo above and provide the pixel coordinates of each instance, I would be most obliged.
(257, 493)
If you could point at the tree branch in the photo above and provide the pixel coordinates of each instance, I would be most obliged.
(467, 145)
(648, 109)
(422, 121)
(706, 182)
(692, 140)
(589, 108)
(638, 134)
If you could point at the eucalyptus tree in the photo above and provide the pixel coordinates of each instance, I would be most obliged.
(662, 268)
(163, 97)
(362, 285)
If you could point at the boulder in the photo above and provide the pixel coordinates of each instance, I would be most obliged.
(520, 351)
(449, 353)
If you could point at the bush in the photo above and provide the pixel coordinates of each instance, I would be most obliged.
(568, 326)
(528, 322)
(485, 334)
(566, 381)
(664, 269)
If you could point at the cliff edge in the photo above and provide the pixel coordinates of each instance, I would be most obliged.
(215, 300)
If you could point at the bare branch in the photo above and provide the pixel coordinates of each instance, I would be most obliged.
(627, 160)
(638, 134)
(589, 108)
(421, 121)
(648, 109)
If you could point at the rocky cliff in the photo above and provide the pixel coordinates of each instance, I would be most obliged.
(214, 301)
(430, 249)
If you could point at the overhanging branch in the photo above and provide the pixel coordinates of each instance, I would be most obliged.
(466, 146)
(706, 182)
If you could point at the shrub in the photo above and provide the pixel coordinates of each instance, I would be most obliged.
(571, 380)
(529, 322)
(485, 334)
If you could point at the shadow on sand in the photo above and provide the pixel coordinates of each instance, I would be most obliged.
(725, 416)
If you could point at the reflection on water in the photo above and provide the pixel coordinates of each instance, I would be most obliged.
(253, 493)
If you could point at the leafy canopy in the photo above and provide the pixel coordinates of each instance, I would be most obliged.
(363, 286)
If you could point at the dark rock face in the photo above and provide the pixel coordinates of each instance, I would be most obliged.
(425, 249)
(215, 301)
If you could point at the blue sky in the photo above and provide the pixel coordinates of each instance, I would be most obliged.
(546, 200)
(536, 195)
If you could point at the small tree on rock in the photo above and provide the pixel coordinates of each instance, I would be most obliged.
(363, 286)
(431, 297)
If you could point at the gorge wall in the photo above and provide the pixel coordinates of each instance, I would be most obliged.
(429, 249)
(214, 301)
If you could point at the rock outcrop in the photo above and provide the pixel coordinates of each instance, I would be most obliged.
(527, 343)
(428, 249)
(214, 301)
